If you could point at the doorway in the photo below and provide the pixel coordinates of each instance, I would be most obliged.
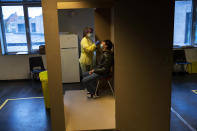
(82, 113)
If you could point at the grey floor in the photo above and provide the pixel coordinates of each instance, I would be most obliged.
(19, 115)
(184, 103)
(27, 114)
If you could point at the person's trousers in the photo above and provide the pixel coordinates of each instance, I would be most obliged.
(90, 81)
(85, 68)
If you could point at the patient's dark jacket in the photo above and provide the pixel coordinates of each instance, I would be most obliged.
(105, 64)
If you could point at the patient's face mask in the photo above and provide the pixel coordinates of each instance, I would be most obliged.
(101, 46)
(89, 35)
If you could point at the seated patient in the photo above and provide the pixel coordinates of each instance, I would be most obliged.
(102, 69)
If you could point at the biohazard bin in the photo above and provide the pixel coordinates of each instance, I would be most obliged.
(44, 80)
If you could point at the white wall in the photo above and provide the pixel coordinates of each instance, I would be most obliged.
(14, 67)
(75, 20)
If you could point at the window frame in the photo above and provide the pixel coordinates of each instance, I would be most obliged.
(25, 5)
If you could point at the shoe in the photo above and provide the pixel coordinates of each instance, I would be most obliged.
(95, 96)
(89, 95)
(86, 90)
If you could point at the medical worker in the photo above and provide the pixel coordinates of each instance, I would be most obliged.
(87, 50)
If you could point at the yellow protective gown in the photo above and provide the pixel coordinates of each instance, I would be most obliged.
(87, 51)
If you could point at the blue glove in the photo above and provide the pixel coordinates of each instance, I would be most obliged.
(97, 42)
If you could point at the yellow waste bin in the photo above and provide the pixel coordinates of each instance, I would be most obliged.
(44, 80)
(192, 68)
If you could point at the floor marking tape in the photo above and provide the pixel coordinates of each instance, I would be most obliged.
(184, 121)
(6, 101)
(26, 98)
(195, 91)
(3, 104)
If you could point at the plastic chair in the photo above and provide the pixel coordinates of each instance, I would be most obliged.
(107, 79)
(179, 58)
(36, 66)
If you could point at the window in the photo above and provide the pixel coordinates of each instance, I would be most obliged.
(182, 23)
(185, 23)
(36, 27)
(14, 27)
(33, 27)
(21, 28)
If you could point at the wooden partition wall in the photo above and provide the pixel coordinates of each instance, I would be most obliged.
(143, 33)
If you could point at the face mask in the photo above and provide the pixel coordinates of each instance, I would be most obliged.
(101, 46)
(89, 35)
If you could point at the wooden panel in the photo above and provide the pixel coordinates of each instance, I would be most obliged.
(143, 37)
(83, 4)
(53, 64)
(102, 27)
(103, 23)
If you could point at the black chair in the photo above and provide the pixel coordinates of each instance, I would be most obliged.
(107, 80)
(179, 58)
(36, 66)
